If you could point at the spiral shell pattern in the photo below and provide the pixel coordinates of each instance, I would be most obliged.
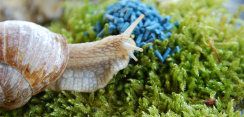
(31, 58)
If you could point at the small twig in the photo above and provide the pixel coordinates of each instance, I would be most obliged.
(211, 44)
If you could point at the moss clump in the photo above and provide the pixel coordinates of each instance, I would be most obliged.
(209, 65)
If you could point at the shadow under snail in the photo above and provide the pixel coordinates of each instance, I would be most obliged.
(32, 58)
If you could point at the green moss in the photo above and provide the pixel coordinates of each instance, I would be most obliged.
(209, 65)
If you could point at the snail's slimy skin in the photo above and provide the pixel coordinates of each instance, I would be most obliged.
(32, 58)
(92, 65)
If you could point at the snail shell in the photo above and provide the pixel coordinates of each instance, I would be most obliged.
(33, 58)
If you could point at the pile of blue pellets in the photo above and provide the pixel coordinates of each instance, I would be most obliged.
(153, 26)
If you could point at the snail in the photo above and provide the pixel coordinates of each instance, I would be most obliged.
(32, 58)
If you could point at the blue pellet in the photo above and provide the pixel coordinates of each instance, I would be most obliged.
(86, 33)
(177, 24)
(177, 49)
(100, 34)
(150, 40)
(169, 27)
(123, 10)
(110, 11)
(128, 13)
(154, 9)
(161, 33)
(98, 26)
(116, 14)
(117, 8)
(153, 27)
(152, 35)
(163, 20)
(141, 8)
(166, 53)
(160, 18)
(132, 17)
(144, 19)
(132, 5)
(150, 13)
(136, 30)
(116, 20)
(121, 15)
(146, 34)
(160, 57)
(120, 20)
(168, 34)
(151, 17)
(137, 44)
(120, 26)
(147, 22)
(126, 25)
(142, 44)
(152, 23)
(140, 24)
(166, 24)
(156, 19)
(157, 31)
(111, 26)
(137, 27)
(138, 13)
(139, 38)
(142, 30)
(161, 37)
(160, 28)
(109, 17)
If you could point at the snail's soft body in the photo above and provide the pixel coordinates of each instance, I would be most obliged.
(33, 58)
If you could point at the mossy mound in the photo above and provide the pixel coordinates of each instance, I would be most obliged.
(209, 65)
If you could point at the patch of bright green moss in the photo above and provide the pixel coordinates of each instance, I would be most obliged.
(209, 65)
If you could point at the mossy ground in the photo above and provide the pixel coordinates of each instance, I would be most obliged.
(209, 65)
